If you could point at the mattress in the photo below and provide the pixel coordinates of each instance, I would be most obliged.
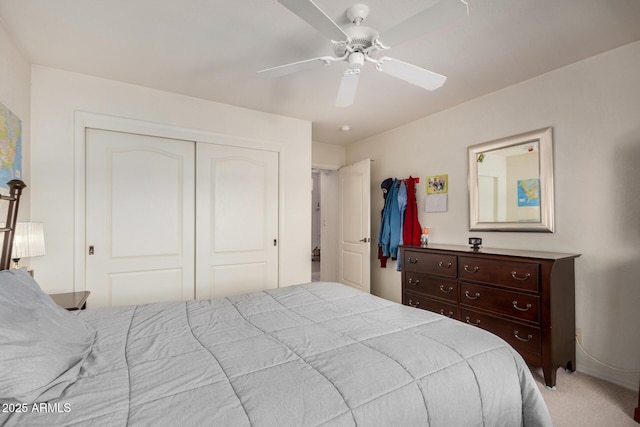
(319, 354)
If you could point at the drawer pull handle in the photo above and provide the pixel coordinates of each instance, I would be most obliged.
(450, 315)
(515, 305)
(441, 265)
(514, 274)
(477, 295)
(529, 337)
(412, 283)
(411, 304)
(468, 320)
(448, 291)
(412, 260)
(468, 270)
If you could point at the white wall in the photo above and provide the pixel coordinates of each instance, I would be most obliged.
(327, 156)
(57, 95)
(593, 108)
(15, 86)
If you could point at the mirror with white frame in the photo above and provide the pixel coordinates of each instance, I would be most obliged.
(511, 183)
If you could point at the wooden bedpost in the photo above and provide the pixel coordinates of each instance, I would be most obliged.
(15, 191)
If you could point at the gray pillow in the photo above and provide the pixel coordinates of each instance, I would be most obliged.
(43, 345)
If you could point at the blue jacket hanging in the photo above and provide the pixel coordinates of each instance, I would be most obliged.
(389, 235)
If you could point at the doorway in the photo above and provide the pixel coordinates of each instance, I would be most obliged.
(341, 206)
(324, 225)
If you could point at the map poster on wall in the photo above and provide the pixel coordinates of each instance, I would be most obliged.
(528, 192)
(10, 147)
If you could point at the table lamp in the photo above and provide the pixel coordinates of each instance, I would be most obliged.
(28, 241)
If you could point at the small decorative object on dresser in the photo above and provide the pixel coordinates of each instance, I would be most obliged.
(475, 243)
(525, 297)
(71, 300)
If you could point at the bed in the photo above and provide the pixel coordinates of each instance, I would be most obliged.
(315, 354)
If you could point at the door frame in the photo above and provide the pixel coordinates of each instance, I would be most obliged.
(84, 120)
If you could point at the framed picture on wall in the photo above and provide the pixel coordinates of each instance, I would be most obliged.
(437, 184)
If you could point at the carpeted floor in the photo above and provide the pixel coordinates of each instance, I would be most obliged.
(584, 401)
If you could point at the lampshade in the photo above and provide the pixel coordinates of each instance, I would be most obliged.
(28, 240)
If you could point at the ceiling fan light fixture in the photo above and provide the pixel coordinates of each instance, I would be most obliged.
(356, 59)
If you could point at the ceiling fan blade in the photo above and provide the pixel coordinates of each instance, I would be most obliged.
(410, 73)
(308, 11)
(348, 86)
(443, 13)
(294, 67)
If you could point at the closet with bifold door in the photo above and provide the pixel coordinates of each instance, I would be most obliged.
(169, 219)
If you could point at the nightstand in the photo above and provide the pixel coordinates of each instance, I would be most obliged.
(71, 300)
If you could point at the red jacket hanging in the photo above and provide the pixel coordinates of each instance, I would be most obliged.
(411, 230)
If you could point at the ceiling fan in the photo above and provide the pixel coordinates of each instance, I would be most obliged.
(357, 44)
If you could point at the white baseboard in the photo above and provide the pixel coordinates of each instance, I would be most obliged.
(629, 381)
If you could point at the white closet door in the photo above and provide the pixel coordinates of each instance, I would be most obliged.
(236, 220)
(139, 218)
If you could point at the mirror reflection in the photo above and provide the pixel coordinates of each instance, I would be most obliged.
(511, 183)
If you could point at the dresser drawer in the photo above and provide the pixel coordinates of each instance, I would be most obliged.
(440, 307)
(514, 304)
(438, 287)
(512, 274)
(420, 262)
(525, 339)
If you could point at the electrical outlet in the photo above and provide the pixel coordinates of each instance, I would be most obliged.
(579, 335)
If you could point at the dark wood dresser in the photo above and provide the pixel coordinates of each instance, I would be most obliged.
(525, 297)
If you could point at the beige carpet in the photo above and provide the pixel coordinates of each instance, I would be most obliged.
(583, 401)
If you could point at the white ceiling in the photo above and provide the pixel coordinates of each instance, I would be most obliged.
(212, 49)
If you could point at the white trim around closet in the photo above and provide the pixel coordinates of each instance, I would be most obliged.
(84, 120)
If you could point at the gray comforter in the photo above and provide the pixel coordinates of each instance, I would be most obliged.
(318, 354)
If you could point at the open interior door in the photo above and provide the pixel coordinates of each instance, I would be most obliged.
(354, 256)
